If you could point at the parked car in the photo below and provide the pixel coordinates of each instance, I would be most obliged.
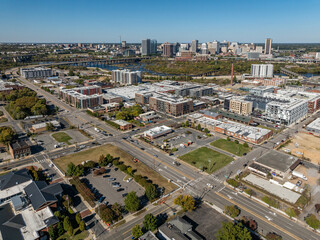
(109, 165)
(111, 179)
(129, 179)
(299, 183)
(116, 186)
(124, 195)
(101, 199)
(120, 189)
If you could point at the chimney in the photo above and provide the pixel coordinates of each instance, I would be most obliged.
(232, 74)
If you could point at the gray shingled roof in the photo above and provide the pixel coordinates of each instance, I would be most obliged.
(14, 178)
(8, 232)
(40, 193)
(15, 222)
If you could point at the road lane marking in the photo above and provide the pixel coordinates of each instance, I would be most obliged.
(166, 164)
(258, 216)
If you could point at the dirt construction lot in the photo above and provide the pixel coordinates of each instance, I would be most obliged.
(305, 145)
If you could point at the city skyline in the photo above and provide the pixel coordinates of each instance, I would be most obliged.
(78, 21)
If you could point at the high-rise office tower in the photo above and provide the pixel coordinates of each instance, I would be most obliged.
(194, 46)
(267, 46)
(145, 47)
(148, 47)
(167, 49)
(153, 46)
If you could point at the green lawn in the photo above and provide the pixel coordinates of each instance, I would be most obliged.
(62, 137)
(77, 236)
(208, 158)
(230, 146)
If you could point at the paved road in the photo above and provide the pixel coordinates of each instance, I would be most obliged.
(183, 174)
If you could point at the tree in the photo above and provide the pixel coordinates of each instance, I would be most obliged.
(60, 229)
(236, 141)
(228, 139)
(150, 222)
(70, 230)
(49, 126)
(102, 161)
(233, 231)
(199, 127)
(6, 135)
(66, 223)
(249, 191)
(291, 212)
(273, 236)
(82, 226)
(71, 168)
(71, 72)
(206, 130)
(52, 232)
(187, 202)
(249, 223)
(136, 231)
(132, 202)
(151, 191)
(78, 218)
(117, 210)
(187, 123)
(312, 221)
(107, 214)
(232, 210)
(245, 145)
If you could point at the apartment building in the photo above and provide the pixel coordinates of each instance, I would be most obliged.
(38, 72)
(262, 70)
(88, 90)
(286, 112)
(80, 100)
(200, 92)
(167, 49)
(240, 106)
(126, 77)
(175, 106)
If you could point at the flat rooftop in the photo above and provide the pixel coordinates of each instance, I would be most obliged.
(157, 130)
(121, 122)
(275, 189)
(277, 160)
(315, 124)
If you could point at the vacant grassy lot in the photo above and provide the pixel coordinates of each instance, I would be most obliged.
(62, 137)
(77, 235)
(94, 153)
(230, 146)
(206, 158)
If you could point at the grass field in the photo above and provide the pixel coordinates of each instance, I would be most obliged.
(201, 156)
(77, 236)
(62, 137)
(230, 146)
(94, 153)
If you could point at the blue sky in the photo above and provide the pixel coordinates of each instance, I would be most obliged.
(165, 20)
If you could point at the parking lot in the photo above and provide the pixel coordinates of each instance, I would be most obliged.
(181, 137)
(47, 141)
(103, 185)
